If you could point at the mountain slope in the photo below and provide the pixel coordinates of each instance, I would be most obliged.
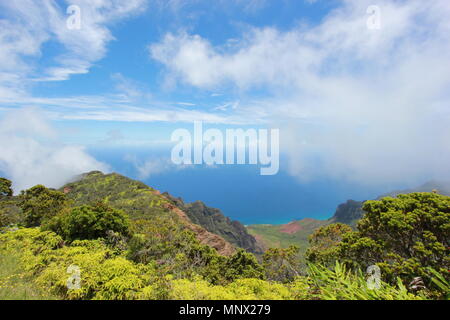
(139, 201)
(214, 221)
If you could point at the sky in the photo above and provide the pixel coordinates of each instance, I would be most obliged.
(359, 90)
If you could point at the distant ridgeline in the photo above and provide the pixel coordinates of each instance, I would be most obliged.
(141, 201)
(297, 232)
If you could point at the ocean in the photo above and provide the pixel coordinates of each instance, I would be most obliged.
(239, 191)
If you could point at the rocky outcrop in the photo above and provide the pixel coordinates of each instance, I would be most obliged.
(349, 212)
(214, 221)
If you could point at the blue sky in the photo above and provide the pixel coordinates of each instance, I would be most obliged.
(364, 108)
(127, 64)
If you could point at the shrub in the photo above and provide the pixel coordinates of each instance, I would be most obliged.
(88, 222)
(241, 265)
(282, 264)
(174, 249)
(324, 244)
(404, 236)
(40, 204)
(103, 274)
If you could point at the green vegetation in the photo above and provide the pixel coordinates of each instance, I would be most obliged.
(66, 239)
(324, 243)
(140, 201)
(14, 282)
(88, 222)
(282, 264)
(10, 212)
(214, 221)
(295, 233)
(405, 237)
(5, 188)
(107, 274)
(340, 283)
(40, 204)
(133, 197)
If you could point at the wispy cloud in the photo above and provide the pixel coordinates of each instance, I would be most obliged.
(154, 166)
(27, 25)
(228, 105)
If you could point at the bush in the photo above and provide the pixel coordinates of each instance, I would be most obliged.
(88, 222)
(175, 250)
(40, 204)
(282, 264)
(324, 244)
(241, 265)
(404, 236)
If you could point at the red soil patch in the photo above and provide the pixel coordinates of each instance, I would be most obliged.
(291, 227)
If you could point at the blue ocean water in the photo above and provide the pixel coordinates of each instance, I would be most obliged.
(240, 191)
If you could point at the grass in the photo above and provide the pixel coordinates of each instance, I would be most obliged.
(14, 285)
(272, 237)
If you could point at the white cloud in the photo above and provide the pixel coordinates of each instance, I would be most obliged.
(228, 105)
(153, 166)
(354, 103)
(120, 107)
(32, 154)
(27, 26)
(128, 88)
(30, 24)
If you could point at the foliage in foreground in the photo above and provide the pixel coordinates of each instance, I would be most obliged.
(88, 222)
(105, 273)
(405, 237)
(14, 282)
(154, 256)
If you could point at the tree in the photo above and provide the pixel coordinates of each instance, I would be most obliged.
(5, 188)
(282, 264)
(243, 265)
(88, 222)
(324, 244)
(40, 204)
(404, 236)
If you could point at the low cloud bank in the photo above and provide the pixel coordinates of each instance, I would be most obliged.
(31, 152)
